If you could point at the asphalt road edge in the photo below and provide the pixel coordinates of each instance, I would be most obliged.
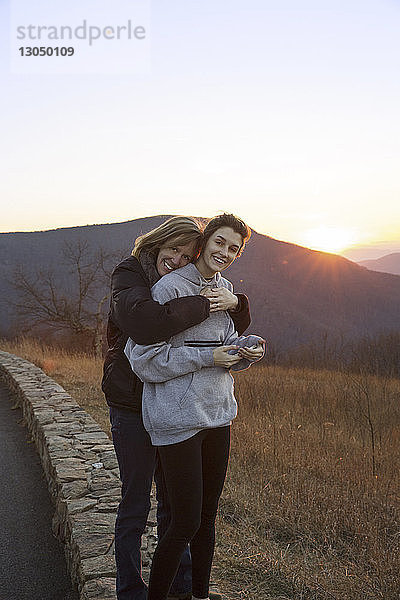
(81, 470)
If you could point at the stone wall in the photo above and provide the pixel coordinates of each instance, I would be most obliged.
(82, 474)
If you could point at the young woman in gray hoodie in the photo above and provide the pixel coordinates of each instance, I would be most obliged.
(188, 405)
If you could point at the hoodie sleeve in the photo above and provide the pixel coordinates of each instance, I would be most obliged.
(232, 339)
(161, 362)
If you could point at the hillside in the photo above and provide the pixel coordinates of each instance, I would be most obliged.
(297, 295)
(310, 507)
(390, 263)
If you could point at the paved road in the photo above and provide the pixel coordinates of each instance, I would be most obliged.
(32, 564)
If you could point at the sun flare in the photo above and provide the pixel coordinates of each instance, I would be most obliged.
(329, 239)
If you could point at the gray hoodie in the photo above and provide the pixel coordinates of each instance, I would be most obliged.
(183, 391)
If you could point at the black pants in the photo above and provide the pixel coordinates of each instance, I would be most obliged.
(194, 472)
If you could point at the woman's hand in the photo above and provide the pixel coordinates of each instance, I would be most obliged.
(254, 353)
(220, 298)
(223, 359)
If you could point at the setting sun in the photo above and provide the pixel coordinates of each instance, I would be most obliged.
(329, 239)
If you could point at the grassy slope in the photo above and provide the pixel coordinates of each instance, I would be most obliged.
(311, 504)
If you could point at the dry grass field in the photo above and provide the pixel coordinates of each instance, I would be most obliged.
(311, 506)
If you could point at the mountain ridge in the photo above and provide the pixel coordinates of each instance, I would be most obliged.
(389, 263)
(297, 295)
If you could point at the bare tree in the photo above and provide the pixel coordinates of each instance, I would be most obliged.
(72, 298)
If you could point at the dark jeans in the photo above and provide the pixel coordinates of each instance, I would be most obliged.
(137, 460)
(194, 472)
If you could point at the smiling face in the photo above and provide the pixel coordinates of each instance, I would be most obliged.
(219, 252)
(171, 257)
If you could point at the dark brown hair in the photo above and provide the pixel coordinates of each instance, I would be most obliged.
(227, 220)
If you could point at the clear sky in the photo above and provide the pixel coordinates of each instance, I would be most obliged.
(286, 113)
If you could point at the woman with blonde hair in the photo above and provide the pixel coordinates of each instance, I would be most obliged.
(134, 313)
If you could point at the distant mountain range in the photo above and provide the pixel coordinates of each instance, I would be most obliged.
(386, 264)
(371, 252)
(297, 295)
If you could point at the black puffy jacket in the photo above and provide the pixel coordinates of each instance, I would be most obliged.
(133, 313)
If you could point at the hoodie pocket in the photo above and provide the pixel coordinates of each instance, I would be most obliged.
(209, 400)
(214, 383)
(162, 405)
(199, 400)
(186, 393)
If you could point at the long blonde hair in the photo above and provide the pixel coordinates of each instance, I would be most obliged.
(179, 230)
